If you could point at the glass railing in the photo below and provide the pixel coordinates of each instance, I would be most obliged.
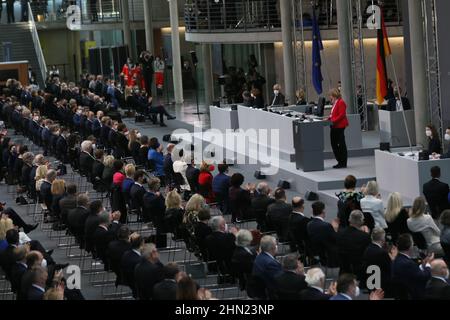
(37, 44)
(263, 15)
(99, 11)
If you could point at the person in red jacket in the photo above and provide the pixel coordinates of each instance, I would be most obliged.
(205, 179)
(339, 123)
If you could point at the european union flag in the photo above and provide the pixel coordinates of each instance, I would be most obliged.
(317, 46)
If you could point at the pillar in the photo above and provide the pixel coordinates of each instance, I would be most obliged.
(345, 54)
(127, 29)
(418, 64)
(207, 74)
(148, 18)
(288, 50)
(176, 54)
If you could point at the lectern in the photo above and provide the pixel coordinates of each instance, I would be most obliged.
(309, 144)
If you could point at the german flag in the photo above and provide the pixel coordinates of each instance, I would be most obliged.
(383, 51)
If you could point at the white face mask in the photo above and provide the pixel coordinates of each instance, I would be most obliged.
(447, 137)
(44, 263)
(139, 135)
(357, 292)
(79, 112)
(428, 133)
(226, 227)
(448, 275)
(276, 92)
(94, 146)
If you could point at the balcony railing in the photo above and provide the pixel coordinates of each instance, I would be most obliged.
(263, 15)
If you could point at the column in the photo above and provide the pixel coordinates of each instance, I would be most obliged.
(127, 30)
(207, 74)
(418, 64)
(345, 54)
(288, 51)
(148, 16)
(176, 54)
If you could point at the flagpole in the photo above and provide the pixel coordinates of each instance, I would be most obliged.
(401, 102)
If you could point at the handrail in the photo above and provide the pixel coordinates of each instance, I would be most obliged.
(37, 44)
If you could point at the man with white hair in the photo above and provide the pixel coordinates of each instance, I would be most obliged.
(315, 278)
(243, 257)
(352, 243)
(220, 244)
(260, 203)
(86, 158)
(148, 272)
(266, 267)
(438, 287)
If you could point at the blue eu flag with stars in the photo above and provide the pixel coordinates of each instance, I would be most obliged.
(317, 46)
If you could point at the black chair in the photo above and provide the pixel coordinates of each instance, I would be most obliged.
(256, 288)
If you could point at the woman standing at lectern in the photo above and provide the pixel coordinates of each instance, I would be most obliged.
(339, 123)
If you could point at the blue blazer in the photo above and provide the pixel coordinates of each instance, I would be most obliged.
(408, 273)
(339, 297)
(267, 268)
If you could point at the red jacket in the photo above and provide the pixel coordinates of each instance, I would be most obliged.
(339, 115)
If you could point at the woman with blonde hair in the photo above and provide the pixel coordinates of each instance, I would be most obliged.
(58, 191)
(134, 144)
(396, 216)
(340, 122)
(108, 171)
(421, 222)
(174, 213)
(373, 204)
(41, 173)
(7, 224)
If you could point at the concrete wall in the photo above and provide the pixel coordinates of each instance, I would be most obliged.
(330, 65)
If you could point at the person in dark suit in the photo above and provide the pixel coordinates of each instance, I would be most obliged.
(291, 281)
(351, 244)
(315, 278)
(130, 260)
(68, 202)
(10, 11)
(19, 268)
(91, 223)
(259, 204)
(39, 280)
(76, 218)
(192, 174)
(116, 249)
(266, 267)
(434, 143)
(97, 168)
(376, 255)
(143, 152)
(322, 236)
(348, 289)
(148, 272)
(243, 258)
(395, 105)
(277, 99)
(220, 244)
(137, 192)
(202, 230)
(438, 288)
(102, 237)
(154, 205)
(240, 198)
(257, 99)
(97, 125)
(436, 193)
(167, 289)
(278, 215)
(86, 158)
(298, 223)
(62, 146)
(407, 273)
(121, 150)
(45, 190)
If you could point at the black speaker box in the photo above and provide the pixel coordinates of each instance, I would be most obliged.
(284, 184)
(311, 196)
(258, 175)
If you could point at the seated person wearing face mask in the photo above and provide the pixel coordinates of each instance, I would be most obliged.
(434, 143)
(447, 139)
(278, 98)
